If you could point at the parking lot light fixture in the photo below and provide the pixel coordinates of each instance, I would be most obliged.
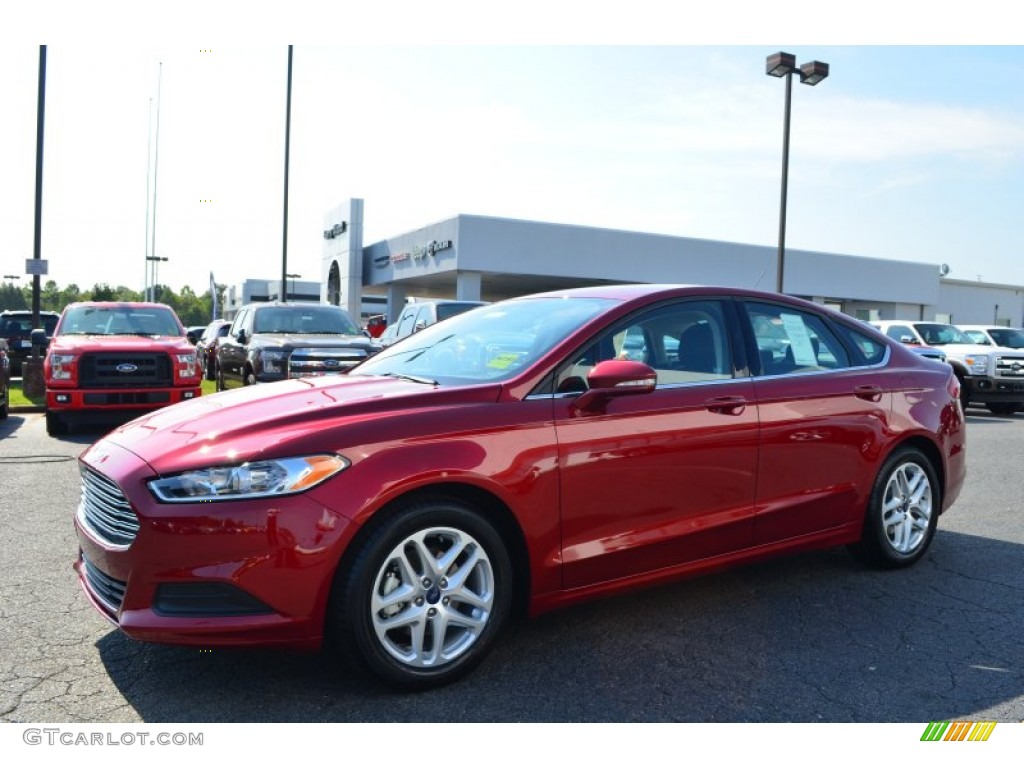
(783, 64)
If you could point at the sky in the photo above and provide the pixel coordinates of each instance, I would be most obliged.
(597, 114)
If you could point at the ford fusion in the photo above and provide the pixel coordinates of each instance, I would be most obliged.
(523, 456)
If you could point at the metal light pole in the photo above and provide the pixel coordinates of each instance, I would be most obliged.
(32, 370)
(287, 145)
(154, 260)
(813, 72)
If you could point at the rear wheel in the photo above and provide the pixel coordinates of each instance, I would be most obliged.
(425, 596)
(902, 513)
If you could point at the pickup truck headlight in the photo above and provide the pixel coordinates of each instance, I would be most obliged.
(978, 364)
(60, 367)
(251, 480)
(272, 360)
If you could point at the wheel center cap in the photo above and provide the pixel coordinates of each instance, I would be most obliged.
(434, 595)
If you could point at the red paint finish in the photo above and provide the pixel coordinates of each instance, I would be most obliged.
(593, 493)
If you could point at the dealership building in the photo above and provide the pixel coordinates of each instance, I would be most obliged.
(472, 257)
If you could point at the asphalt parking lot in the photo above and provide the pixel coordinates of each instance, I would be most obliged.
(809, 638)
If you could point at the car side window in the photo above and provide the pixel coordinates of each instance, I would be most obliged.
(793, 341)
(901, 333)
(239, 322)
(685, 343)
(405, 323)
(872, 351)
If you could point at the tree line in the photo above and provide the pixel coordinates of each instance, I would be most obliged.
(191, 308)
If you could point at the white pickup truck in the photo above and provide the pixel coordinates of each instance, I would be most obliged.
(990, 376)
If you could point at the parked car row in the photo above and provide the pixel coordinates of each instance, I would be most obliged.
(517, 458)
(990, 373)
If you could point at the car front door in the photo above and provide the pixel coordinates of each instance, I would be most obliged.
(231, 349)
(656, 480)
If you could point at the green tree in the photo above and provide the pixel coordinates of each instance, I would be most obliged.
(50, 298)
(102, 292)
(12, 297)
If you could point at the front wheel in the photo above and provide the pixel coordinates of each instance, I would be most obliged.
(425, 596)
(55, 424)
(902, 513)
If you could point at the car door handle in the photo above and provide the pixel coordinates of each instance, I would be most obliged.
(868, 392)
(732, 406)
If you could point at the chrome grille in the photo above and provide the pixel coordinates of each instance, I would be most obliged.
(108, 590)
(1009, 367)
(313, 361)
(105, 510)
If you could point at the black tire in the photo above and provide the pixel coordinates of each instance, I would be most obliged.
(902, 513)
(250, 378)
(55, 425)
(400, 553)
(1003, 409)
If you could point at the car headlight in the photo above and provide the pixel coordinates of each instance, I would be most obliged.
(251, 480)
(273, 360)
(60, 367)
(978, 364)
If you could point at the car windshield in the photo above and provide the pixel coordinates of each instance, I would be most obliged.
(938, 334)
(120, 321)
(1008, 337)
(311, 319)
(490, 343)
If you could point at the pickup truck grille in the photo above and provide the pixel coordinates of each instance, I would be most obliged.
(105, 511)
(1010, 367)
(312, 361)
(110, 370)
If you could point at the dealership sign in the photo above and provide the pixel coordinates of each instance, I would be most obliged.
(418, 253)
(336, 230)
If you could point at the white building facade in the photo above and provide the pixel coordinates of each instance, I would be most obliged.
(487, 258)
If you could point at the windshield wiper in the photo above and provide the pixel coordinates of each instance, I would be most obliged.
(407, 377)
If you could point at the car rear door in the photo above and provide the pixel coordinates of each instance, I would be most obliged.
(824, 415)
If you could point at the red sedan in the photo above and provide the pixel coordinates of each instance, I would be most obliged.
(522, 456)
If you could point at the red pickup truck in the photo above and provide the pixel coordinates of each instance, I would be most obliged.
(112, 359)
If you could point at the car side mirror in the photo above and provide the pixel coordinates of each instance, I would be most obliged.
(616, 378)
(908, 339)
(240, 337)
(39, 338)
(192, 338)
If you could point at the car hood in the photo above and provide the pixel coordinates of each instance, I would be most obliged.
(328, 340)
(119, 343)
(284, 418)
